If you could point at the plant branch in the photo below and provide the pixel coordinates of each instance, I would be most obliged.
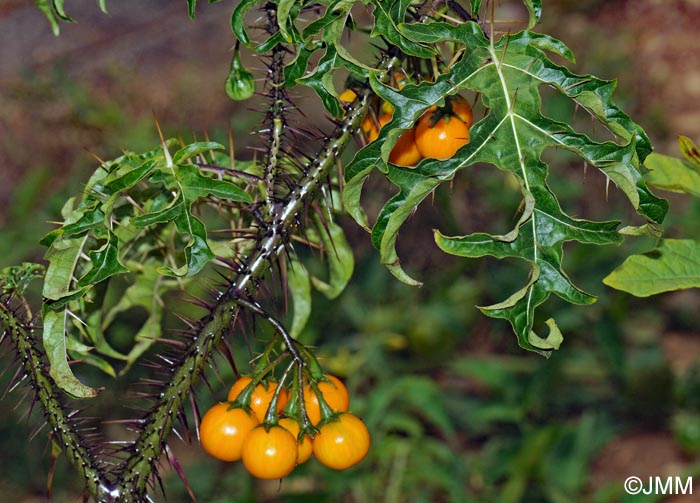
(139, 467)
(63, 430)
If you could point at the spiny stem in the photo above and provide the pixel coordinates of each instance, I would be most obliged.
(63, 430)
(139, 467)
(278, 95)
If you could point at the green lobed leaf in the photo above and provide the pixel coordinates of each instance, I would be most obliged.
(507, 74)
(196, 185)
(120, 179)
(673, 265)
(297, 67)
(331, 27)
(105, 262)
(321, 81)
(190, 184)
(389, 18)
(333, 35)
(335, 10)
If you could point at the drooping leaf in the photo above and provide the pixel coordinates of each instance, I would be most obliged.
(341, 262)
(45, 7)
(191, 8)
(507, 74)
(285, 17)
(54, 339)
(321, 81)
(62, 257)
(297, 67)
(299, 286)
(92, 332)
(673, 265)
(238, 20)
(146, 292)
(60, 10)
(56, 8)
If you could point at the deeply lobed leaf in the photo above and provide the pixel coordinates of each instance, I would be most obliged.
(507, 73)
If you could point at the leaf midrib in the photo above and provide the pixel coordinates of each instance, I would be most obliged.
(511, 116)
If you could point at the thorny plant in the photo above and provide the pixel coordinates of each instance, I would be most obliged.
(145, 223)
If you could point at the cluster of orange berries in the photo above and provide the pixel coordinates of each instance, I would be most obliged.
(245, 428)
(437, 134)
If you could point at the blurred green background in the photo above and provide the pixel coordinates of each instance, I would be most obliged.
(458, 413)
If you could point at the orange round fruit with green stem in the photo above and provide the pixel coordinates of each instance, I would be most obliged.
(342, 442)
(334, 393)
(269, 453)
(304, 446)
(261, 398)
(439, 136)
(222, 431)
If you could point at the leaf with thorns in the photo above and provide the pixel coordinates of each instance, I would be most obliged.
(507, 74)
